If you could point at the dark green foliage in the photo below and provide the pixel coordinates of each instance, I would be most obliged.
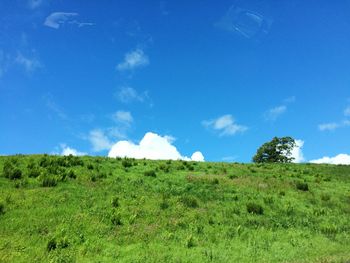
(48, 180)
(254, 208)
(34, 172)
(116, 219)
(278, 150)
(127, 163)
(303, 186)
(115, 201)
(71, 174)
(325, 197)
(10, 170)
(164, 205)
(90, 166)
(190, 242)
(150, 173)
(215, 181)
(2, 208)
(51, 244)
(190, 201)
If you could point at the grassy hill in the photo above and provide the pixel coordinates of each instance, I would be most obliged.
(94, 209)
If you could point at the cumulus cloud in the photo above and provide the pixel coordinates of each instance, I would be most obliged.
(133, 59)
(70, 151)
(339, 159)
(29, 64)
(197, 157)
(297, 153)
(99, 140)
(152, 146)
(225, 125)
(123, 117)
(274, 113)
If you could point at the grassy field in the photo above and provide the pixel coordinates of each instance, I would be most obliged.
(95, 209)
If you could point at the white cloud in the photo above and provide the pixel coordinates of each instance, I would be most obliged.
(274, 113)
(225, 125)
(56, 19)
(332, 126)
(152, 146)
(70, 151)
(339, 159)
(123, 117)
(29, 64)
(134, 59)
(128, 95)
(297, 153)
(347, 112)
(197, 157)
(99, 140)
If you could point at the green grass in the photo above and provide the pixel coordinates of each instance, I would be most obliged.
(95, 209)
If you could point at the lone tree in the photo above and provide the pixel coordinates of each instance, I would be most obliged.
(278, 150)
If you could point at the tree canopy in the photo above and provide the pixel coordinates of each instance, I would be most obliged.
(278, 150)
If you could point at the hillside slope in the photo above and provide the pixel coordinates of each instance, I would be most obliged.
(94, 209)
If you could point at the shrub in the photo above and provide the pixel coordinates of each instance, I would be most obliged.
(232, 176)
(325, 197)
(303, 186)
(215, 181)
(115, 201)
(190, 242)
(71, 174)
(254, 208)
(164, 205)
(48, 181)
(10, 171)
(150, 173)
(90, 166)
(190, 201)
(33, 172)
(126, 163)
(51, 244)
(2, 208)
(116, 219)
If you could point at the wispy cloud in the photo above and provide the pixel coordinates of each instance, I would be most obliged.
(54, 107)
(128, 95)
(123, 117)
(29, 64)
(225, 125)
(133, 59)
(32, 4)
(347, 111)
(331, 126)
(56, 19)
(274, 113)
(328, 126)
(99, 140)
(3, 63)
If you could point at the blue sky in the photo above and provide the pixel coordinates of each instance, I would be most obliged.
(216, 77)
